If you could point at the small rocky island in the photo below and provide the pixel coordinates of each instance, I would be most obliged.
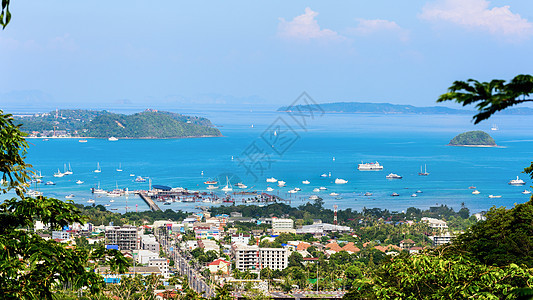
(475, 138)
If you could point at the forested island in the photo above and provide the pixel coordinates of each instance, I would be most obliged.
(388, 108)
(104, 124)
(476, 138)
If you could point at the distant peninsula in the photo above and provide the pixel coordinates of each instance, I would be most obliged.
(476, 138)
(103, 124)
(388, 108)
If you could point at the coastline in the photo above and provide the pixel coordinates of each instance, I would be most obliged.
(477, 146)
(124, 138)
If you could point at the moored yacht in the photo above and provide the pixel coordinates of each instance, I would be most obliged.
(272, 179)
(340, 181)
(395, 194)
(281, 183)
(476, 192)
(322, 188)
(333, 194)
(495, 196)
(212, 187)
(525, 192)
(394, 176)
(90, 201)
(517, 181)
(369, 166)
(306, 182)
(112, 139)
(227, 187)
(241, 185)
(316, 190)
(79, 182)
(58, 174)
(269, 189)
(425, 173)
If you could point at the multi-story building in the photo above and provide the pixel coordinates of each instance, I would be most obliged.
(255, 258)
(162, 264)
(61, 235)
(282, 225)
(148, 242)
(240, 238)
(125, 237)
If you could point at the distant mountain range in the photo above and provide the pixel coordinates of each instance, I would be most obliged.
(388, 108)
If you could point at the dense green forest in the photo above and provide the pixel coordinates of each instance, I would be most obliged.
(473, 138)
(103, 124)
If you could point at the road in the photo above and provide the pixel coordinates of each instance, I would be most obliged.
(196, 280)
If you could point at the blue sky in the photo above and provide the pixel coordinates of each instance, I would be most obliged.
(256, 53)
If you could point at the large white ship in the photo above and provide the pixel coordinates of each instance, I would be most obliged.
(369, 166)
(516, 181)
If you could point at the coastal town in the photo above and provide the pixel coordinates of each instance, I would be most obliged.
(210, 251)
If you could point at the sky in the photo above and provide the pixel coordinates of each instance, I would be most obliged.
(249, 54)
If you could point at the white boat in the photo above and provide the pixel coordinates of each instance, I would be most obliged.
(281, 183)
(368, 194)
(90, 201)
(106, 205)
(269, 189)
(99, 191)
(272, 179)
(476, 192)
(292, 192)
(306, 182)
(324, 175)
(114, 193)
(38, 176)
(112, 139)
(329, 174)
(70, 196)
(425, 173)
(241, 185)
(227, 187)
(112, 200)
(395, 194)
(393, 176)
(97, 168)
(82, 141)
(33, 193)
(525, 192)
(340, 181)
(495, 196)
(297, 189)
(322, 188)
(333, 194)
(494, 127)
(140, 179)
(370, 166)
(212, 187)
(119, 169)
(79, 182)
(316, 190)
(419, 191)
(58, 174)
(414, 195)
(313, 197)
(69, 171)
(517, 181)
(132, 175)
(50, 183)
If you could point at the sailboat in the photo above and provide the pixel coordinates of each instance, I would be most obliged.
(425, 173)
(97, 168)
(69, 171)
(494, 127)
(119, 169)
(58, 174)
(227, 187)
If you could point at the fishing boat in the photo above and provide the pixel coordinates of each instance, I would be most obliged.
(38, 176)
(472, 187)
(97, 168)
(79, 182)
(494, 127)
(112, 200)
(419, 191)
(340, 181)
(425, 173)
(272, 179)
(107, 205)
(112, 139)
(292, 192)
(314, 197)
(34, 193)
(476, 192)
(306, 182)
(368, 194)
(297, 189)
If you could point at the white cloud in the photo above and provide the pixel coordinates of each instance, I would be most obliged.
(476, 14)
(369, 27)
(305, 27)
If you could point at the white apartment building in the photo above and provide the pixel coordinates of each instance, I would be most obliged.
(162, 264)
(62, 235)
(148, 242)
(282, 225)
(255, 258)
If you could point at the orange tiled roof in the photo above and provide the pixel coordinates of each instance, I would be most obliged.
(303, 246)
(334, 246)
(218, 261)
(350, 247)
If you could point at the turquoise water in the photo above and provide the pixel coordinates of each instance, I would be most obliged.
(402, 143)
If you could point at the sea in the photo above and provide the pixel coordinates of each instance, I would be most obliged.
(257, 145)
